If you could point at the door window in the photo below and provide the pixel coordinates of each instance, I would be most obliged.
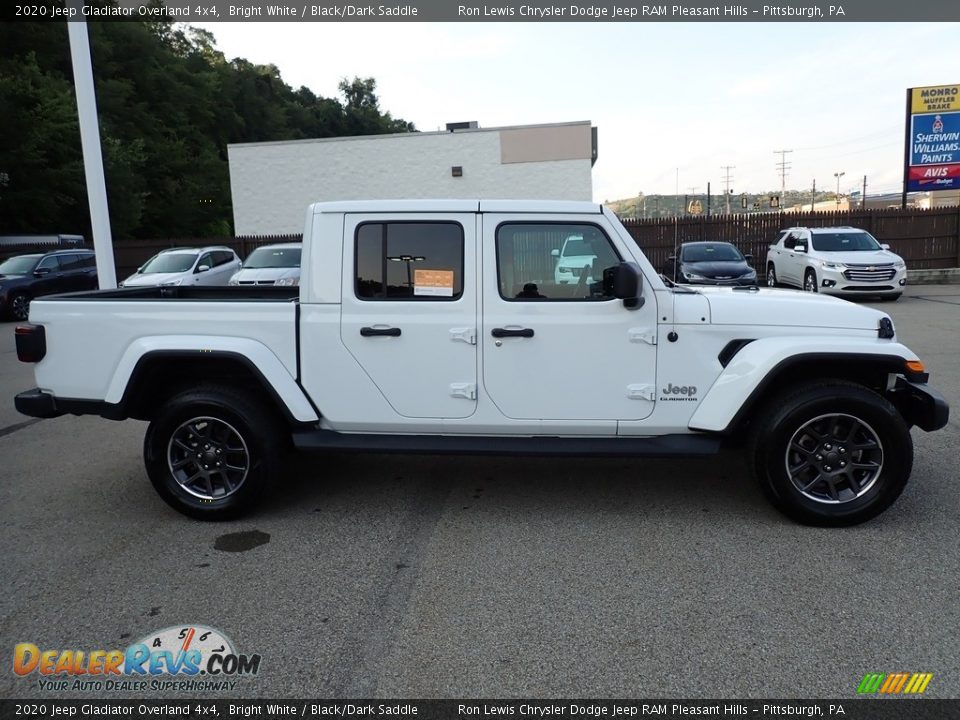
(49, 263)
(553, 261)
(409, 261)
(69, 262)
(222, 257)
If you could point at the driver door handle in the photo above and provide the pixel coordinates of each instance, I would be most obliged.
(374, 332)
(504, 332)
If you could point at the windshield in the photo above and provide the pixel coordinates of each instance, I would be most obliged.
(576, 247)
(844, 242)
(268, 257)
(169, 263)
(18, 265)
(719, 252)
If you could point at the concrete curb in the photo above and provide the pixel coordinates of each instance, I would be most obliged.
(938, 276)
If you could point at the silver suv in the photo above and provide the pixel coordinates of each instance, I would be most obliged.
(835, 260)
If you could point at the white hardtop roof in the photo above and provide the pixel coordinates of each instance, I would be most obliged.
(450, 206)
(280, 246)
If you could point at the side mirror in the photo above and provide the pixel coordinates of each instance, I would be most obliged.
(885, 246)
(800, 248)
(555, 252)
(748, 257)
(202, 268)
(625, 282)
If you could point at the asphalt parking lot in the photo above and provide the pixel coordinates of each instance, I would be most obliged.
(419, 577)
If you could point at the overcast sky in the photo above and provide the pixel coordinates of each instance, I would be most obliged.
(687, 96)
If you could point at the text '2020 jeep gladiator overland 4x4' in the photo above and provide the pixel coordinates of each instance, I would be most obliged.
(439, 326)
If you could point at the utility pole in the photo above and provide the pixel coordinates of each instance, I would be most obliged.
(863, 197)
(727, 179)
(708, 199)
(783, 167)
(813, 196)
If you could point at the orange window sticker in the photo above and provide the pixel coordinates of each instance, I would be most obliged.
(438, 283)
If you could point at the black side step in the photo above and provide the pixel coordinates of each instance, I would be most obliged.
(662, 446)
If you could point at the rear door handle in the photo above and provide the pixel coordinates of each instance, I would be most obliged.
(504, 332)
(374, 332)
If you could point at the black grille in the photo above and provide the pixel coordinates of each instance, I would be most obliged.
(870, 273)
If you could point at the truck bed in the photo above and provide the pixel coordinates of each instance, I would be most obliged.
(175, 292)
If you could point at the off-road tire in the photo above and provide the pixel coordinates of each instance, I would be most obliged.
(247, 432)
(842, 408)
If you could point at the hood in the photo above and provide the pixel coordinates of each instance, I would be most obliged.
(713, 268)
(861, 257)
(266, 274)
(139, 280)
(787, 308)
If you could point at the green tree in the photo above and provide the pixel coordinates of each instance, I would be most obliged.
(169, 103)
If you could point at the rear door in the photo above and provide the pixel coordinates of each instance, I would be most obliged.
(789, 261)
(410, 319)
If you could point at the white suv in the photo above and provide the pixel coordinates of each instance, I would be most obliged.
(835, 260)
(576, 255)
(187, 266)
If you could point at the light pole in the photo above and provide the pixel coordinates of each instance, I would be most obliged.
(408, 259)
(838, 175)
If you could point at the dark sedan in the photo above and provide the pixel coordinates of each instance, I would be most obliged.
(25, 277)
(711, 263)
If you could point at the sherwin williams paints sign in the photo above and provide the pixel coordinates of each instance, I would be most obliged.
(933, 140)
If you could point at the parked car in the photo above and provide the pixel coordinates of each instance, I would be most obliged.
(711, 263)
(24, 277)
(187, 266)
(271, 265)
(836, 260)
(575, 255)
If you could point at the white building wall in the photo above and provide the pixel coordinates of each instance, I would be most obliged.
(273, 183)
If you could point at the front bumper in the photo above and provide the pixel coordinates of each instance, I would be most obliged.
(728, 282)
(920, 404)
(834, 282)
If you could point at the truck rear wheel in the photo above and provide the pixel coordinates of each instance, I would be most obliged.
(211, 452)
(831, 453)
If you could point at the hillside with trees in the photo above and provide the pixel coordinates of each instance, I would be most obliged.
(169, 103)
(657, 206)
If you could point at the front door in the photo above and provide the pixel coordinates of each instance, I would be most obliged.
(410, 319)
(562, 350)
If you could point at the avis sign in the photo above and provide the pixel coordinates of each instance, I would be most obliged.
(933, 142)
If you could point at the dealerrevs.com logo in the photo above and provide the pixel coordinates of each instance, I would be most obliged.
(184, 657)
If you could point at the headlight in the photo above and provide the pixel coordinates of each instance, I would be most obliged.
(288, 282)
(168, 283)
(693, 276)
(899, 265)
(832, 265)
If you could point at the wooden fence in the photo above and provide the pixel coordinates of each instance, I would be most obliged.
(926, 239)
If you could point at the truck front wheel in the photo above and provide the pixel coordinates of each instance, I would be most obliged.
(211, 452)
(831, 453)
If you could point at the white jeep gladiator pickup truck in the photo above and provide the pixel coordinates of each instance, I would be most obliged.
(439, 326)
